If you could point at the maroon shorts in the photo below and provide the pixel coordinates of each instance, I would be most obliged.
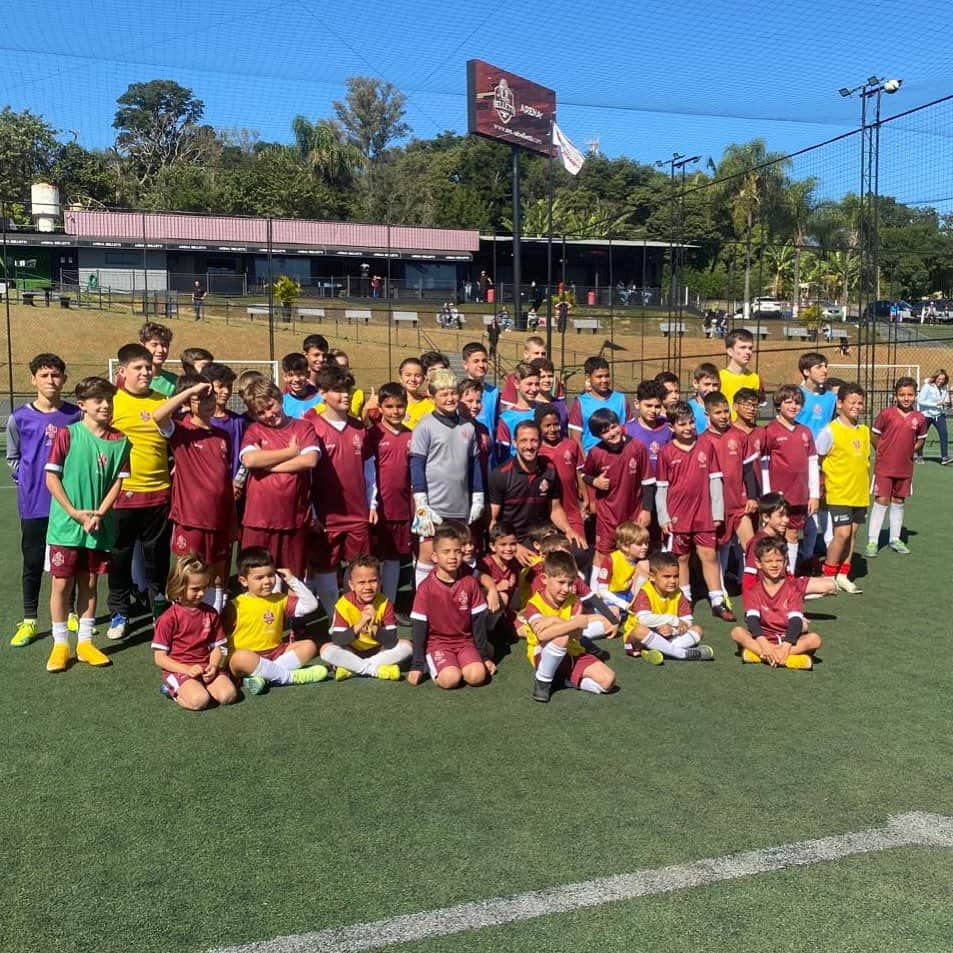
(330, 548)
(69, 561)
(451, 653)
(289, 547)
(681, 544)
(798, 517)
(571, 669)
(211, 545)
(174, 681)
(896, 487)
(730, 527)
(391, 539)
(605, 537)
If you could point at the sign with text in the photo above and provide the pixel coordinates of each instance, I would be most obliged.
(509, 108)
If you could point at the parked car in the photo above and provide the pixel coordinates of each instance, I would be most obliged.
(832, 312)
(880, 310)
(764, 306)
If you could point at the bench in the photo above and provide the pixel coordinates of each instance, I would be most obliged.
(65, 301)
(586, 324)
(672, 327)
(357, 314)
(256, 310)
(311, 313)
(406, 317)
(27, 298)
(761, 330)
(840, 334)
(796, 333)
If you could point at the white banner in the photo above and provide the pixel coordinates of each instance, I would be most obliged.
(572, 158)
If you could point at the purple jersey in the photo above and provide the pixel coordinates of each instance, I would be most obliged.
(652, 438)
(30, 435)
(234, 425)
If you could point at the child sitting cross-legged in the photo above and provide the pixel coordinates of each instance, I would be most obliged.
(661, 624)
(773, 632)
(364, 633)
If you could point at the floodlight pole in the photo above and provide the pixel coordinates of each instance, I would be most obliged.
(6, 298)
(517, 271)
(271, 296)
(549, 254)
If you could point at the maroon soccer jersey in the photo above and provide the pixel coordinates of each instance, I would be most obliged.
(390, 452)
(566, 457)
(484, 443)
(278, 500)
(506, 573)
(898, 433)
(788, 453)
(187, 634)
(775, 611)
(448, 608)
(731, 449)
(339, 490)
(687, 475)
(202, 494)
(628, 471)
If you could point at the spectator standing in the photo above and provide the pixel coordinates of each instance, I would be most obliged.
(198, 298)
(933, 401)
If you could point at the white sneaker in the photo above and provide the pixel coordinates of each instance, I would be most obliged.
(117, 626)
(846, 585)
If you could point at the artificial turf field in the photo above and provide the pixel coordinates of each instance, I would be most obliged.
(130, 825)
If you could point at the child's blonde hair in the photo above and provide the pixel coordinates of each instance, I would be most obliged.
(554, 543)
(440, 378)
(630, 534)
(246, 378)
(258, 393)
(183, 567)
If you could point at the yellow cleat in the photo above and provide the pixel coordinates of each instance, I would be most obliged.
(748, 656)
(72, 622)
(341, 674)
(802, 662)
(25, 634)
(59, 657)
(309, 675)
(88, 653)
(388, 673)
(652, 656)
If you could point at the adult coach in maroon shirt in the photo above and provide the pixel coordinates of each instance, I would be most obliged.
(525, 491)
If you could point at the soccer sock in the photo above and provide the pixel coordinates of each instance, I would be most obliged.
(393, 656)
(218, 598)
(421, 572)
(591, 685)
(687, 591)
(877, 513)
(288, 661)
(549, 661)
(896, 520)
(685, 641)
(326, 584)
(844, 569)
(806, 549)
(655, 641)
(272, 672)
(716, 597)
(60, 633)
(792, 557)
(390, 575)
(85, 633)
(831, 570)
(341, 657)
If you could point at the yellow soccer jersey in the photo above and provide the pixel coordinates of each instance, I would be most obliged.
(731, 383)
(528, 574)
(259, 622)
(537, 606)
(416, 410)
(149, 457)
(847, 466)
(621, 572)
(347, 613)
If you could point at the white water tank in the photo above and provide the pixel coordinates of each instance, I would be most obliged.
(45, 199)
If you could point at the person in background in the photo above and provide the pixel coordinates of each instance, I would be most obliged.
(933, 401)
(198, 298)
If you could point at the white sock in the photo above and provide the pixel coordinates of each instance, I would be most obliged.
(591, 685)
(655, 641)
(594, 576)
(421, 572)
(60, 633)
(687, 591)
(390, 575)
(877, 513)
(341, 657)
(289, 661)
(716, 597)
(549, 660)
(393, 656)
(272, 672)
(85, 633)
(218, 598)
(792, 557)
(685, 641)
(326, 589)
(896, 520)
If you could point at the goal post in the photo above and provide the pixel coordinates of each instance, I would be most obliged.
(878, 378)
(270, 369)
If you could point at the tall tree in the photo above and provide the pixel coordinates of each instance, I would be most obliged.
(323, 146)
(28, 149)
(372, 115)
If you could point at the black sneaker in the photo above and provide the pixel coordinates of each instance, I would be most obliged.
(593, 649)
(721, 611)
(541, 691)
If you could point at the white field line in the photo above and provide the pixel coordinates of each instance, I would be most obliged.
(902, 830)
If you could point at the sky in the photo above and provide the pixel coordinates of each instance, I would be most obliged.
(643, 80)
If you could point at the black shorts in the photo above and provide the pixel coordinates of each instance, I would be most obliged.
(842, 515)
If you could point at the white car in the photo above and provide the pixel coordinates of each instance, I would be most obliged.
(766, 306)
(833, 312)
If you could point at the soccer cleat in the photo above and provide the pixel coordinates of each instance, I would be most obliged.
(593, 649)
(309, 675)
(699, 653)
(88, 653)
(919, 460)
(802, 662)
(946, 461)
(872, 549)
(255, 684)
(653, 656)
(721, 611)
(59, 657)
(847, 585)
(899, 546)
(748, 656)
(117, 626)
(542, 691)
(342, 674)
(25, 634)
(72, 622)
(388, 673)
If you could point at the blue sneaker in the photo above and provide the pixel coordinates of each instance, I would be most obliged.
(117, 626)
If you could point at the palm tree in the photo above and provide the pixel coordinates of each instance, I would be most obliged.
(323, 147)
(799, 205)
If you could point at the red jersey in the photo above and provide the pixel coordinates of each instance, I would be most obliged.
(775, 611)
(628, 471)
(279, 501)
(898, 433)
(791, 461)
(731, 448)
(448, 608)
(339, 489)
(567, 459)
(484, 444)
(507, 573)
(202, 493)
(751, 568)
(687, 475)
(187, 634)
(390, 452)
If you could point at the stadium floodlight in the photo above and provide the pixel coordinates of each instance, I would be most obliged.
(892, 85)
(844, 91)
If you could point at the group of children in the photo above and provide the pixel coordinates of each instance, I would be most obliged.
(324, 489)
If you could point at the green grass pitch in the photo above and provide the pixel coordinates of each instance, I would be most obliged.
(130, 825)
